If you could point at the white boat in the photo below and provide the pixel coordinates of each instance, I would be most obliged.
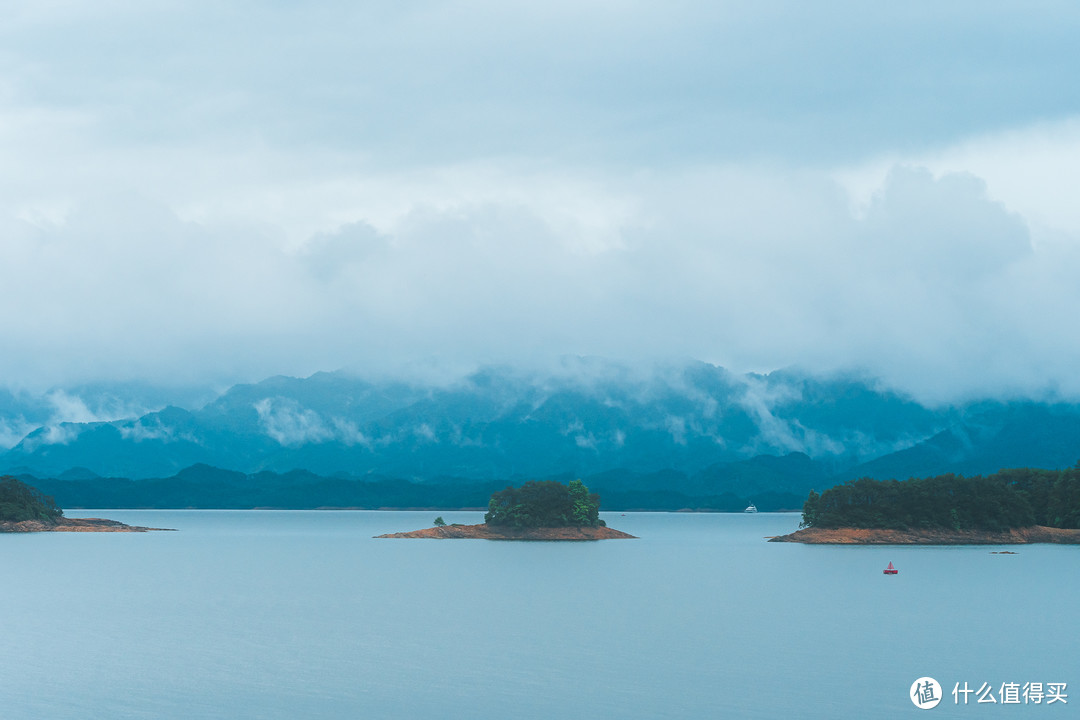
(751, 508)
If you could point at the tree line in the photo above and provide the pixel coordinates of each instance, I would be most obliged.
(19, 501)
(1019, 497)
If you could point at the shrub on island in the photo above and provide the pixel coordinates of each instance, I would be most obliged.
(545, 503)
(19, 502)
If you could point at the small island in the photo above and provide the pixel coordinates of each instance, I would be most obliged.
(1015, 506)
(538, 510)
(25, 509)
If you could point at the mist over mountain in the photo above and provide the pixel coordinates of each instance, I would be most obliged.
(710, 431)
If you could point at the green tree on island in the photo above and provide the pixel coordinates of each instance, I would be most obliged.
(545, 503)
(810, 510)
(19, 501)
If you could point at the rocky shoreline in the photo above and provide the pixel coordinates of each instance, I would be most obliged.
(868, 536)
(489, 532)
(73, 525)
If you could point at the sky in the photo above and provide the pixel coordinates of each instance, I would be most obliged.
(211, 192)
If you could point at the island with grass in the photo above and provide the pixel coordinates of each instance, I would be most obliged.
(538, 510)
(1015, 506)
(26, 509)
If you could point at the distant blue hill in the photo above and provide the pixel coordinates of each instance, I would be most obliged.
(204, 486)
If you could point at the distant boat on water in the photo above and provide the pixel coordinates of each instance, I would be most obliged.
(890, 570)
(750, 508)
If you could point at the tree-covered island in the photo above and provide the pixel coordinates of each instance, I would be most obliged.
(545, 503)
(26, 509)
(538, 510)
(1012, 506)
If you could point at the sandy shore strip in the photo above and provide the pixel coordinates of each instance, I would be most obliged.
(490, 532)
(868, 536)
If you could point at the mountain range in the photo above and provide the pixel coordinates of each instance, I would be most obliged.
(693, 429)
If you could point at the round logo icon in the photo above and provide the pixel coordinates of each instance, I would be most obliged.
(925, 693)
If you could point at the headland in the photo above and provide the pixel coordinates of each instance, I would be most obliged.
(64, 524)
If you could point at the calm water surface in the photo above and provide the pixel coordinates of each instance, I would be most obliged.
(267, 614)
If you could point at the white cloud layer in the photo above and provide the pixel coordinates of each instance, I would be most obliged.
(198, 192)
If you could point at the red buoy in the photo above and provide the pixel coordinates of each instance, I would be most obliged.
(890, 570)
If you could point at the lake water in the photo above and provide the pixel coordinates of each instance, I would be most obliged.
(267, 614)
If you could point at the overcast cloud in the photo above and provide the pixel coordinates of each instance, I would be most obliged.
(208, 192)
